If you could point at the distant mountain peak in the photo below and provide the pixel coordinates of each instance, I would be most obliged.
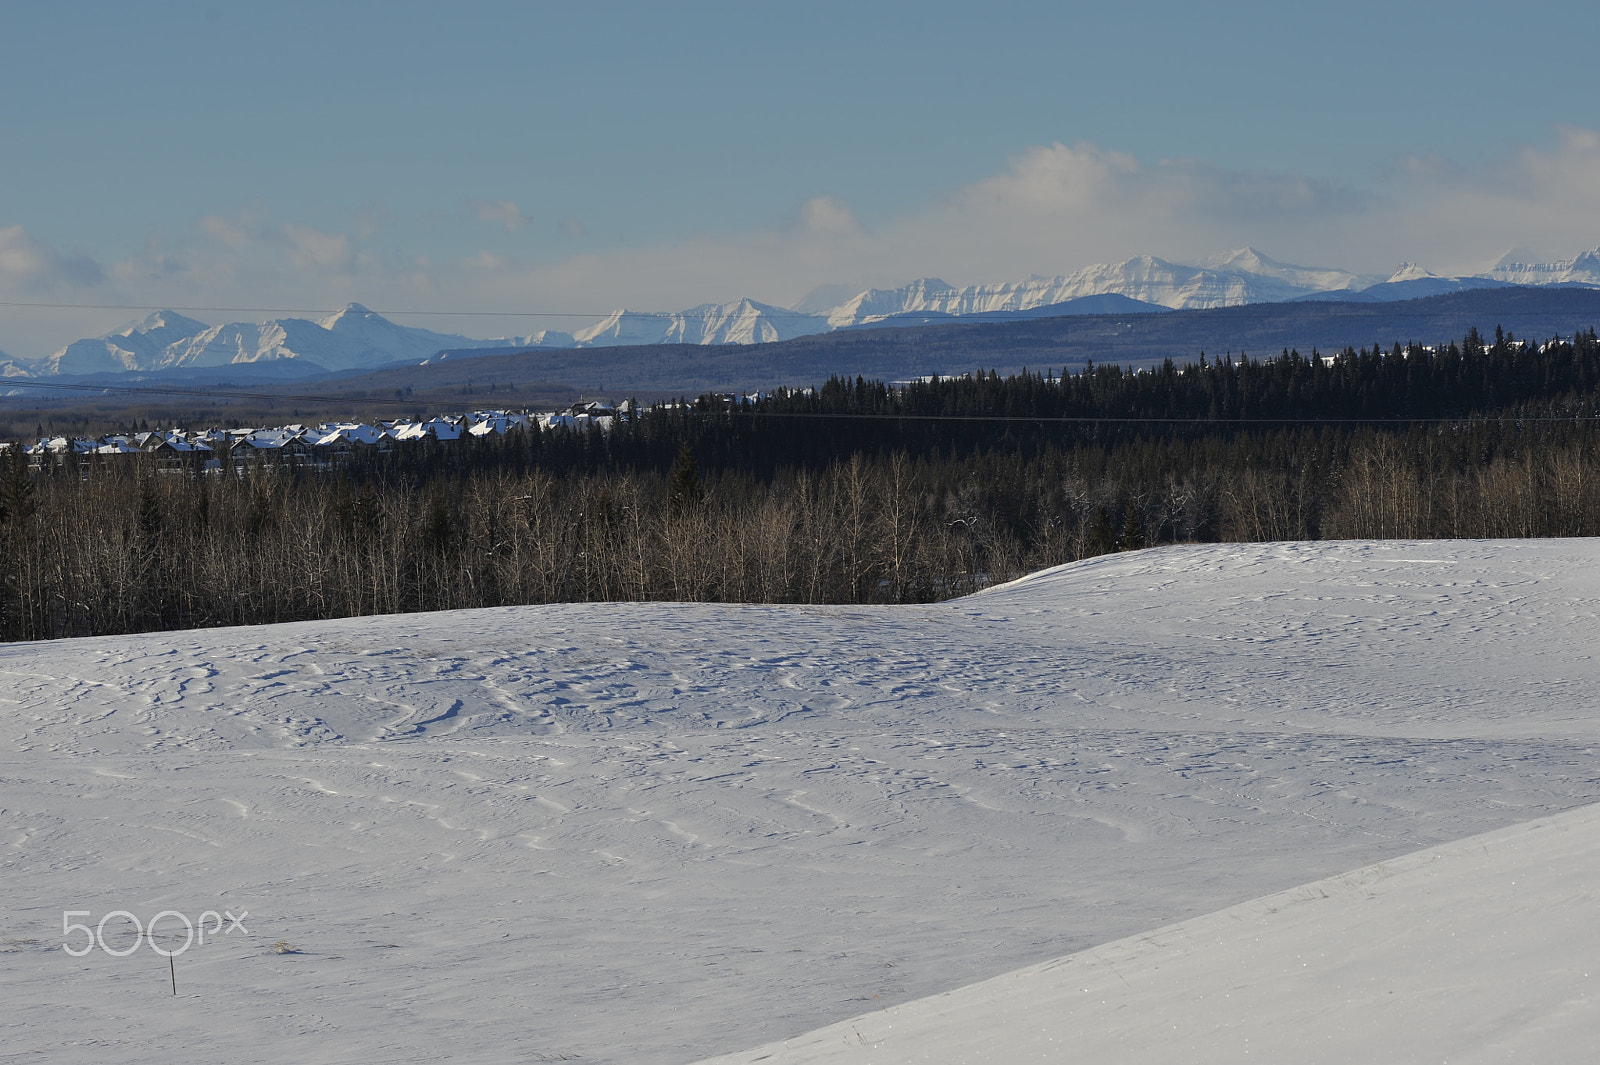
(164, 319)
(744, 321)
(358, 337)
(1409, 271)
(1582, 269)
(354, 311)
(353, 338)
(1248, 257)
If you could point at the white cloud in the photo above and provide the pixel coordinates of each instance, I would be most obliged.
(1465, 219)
(829, 214)
(500, 212)
(33, 272)
(313, 249)
(29, 267)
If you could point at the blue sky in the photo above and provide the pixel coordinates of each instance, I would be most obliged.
(500, 156)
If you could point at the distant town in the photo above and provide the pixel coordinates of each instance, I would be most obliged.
(324, 444)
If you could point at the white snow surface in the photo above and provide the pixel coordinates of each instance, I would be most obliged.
(659, 832)
(1483, 950)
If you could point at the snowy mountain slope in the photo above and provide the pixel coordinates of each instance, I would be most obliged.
(876, 304)
(1106, 303)
(1481, 950)
(139, 346)
(656, 832)
(545, 338)
(1228, 279)
(741, 322)
(248, 342)
(1255, 263)
(352, 338)
(384, 341)
(1410, 282)
(1243, 276)
(1583, 269)
(14, 367)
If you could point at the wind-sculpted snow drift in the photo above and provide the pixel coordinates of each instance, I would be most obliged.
(659, 832)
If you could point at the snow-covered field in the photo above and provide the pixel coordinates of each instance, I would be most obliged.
(654, 833)
(1483, 950)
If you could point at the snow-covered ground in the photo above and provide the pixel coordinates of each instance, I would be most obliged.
(1484, 950)
(654, 833)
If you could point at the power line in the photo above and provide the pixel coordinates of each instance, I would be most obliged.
(307, 310)
(1351, 309)
(414, 401)
(1096, 420)
(210, 393)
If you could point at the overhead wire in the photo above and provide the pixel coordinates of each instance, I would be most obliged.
(23, 384)
(739, 410)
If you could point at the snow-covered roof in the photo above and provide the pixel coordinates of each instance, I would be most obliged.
(354, 433)
(440, 428)
(498, 423)
(479, 423)
(265, 439)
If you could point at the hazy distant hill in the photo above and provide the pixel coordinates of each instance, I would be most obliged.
(549, 378)
(957, 347)
(1105, 303)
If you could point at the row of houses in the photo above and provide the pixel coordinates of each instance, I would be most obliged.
(313, 444)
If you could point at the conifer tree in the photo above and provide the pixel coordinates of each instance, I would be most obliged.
(1102, 541)
(17, 505)
(1132, 538)
(684, 488)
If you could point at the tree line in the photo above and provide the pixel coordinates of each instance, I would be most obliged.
(852, 500)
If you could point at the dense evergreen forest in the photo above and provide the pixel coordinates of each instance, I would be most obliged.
(855, 492)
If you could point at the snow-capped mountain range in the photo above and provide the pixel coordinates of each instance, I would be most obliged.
(1583, 270)
(741, 322)
(353, 338)
(1244, 276)
(357, 338)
